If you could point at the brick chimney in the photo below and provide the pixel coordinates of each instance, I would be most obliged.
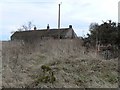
(70, 26)
(48, 27)
(35, 28)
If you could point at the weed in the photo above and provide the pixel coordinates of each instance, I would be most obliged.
(47, 77)
(45, 68)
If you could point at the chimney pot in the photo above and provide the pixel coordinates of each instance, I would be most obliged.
(70, 26)
(48, 27)
(35, 28)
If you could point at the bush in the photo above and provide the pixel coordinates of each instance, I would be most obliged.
(45, 68)
(48, 75)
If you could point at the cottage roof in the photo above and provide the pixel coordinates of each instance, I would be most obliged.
(43, 32)
(31, 34)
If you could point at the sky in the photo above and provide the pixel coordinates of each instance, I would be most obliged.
(78, 13)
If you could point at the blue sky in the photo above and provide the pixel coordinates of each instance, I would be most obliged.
(78, 13)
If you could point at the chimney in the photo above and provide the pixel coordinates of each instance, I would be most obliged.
(59, 17)
(48, 27)
(109, 21)
(70, 26)
(35, 28)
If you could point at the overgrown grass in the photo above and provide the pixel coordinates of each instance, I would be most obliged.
(109, 77)
(56, 63)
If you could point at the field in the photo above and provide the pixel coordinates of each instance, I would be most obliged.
(56, 64)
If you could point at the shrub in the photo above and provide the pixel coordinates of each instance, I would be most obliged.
(48, 75)
(45, 68)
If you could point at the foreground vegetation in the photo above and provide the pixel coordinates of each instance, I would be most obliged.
(56, 64)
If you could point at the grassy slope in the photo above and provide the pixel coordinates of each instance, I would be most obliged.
(66, 59)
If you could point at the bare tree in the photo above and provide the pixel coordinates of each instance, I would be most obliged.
(30, 25)
(26, 27)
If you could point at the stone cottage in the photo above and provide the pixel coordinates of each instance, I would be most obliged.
(33, 35)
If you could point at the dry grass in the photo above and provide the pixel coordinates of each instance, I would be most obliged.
(71, 67)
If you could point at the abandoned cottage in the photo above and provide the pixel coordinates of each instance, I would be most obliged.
(33, 35)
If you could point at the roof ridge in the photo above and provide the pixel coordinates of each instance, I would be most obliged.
(44, 30)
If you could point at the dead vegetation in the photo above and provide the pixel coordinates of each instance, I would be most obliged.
(56, 64)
